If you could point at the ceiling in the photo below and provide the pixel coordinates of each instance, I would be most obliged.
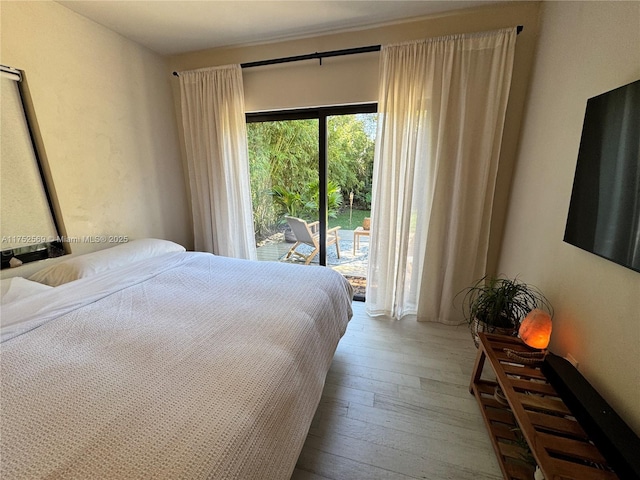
(171, 27)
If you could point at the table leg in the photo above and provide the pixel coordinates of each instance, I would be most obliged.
(477, 368)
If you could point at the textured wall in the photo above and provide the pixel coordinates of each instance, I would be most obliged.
(105, 113)
(585, 48)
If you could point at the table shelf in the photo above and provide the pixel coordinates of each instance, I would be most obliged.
(531, 419)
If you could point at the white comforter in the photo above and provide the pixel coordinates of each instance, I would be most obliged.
(184, 366)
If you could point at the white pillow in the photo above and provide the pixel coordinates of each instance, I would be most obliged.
(17, 288)
(103, 260)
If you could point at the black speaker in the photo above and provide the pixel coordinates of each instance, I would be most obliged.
(613, 437)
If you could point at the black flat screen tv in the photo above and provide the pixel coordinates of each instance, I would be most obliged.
(604, 213)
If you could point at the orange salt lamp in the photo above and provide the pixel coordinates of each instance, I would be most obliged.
(535, 329)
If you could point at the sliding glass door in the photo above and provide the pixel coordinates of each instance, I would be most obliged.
(351, 146)
(283, 160)
(315, 165)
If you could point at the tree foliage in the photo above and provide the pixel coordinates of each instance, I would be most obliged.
(283, 161)
(350, 154)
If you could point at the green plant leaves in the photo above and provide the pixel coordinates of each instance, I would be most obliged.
(501, 302)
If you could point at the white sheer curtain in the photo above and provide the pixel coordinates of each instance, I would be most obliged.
(213, 118)
(441, 107)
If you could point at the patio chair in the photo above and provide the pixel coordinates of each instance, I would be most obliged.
(309, 234)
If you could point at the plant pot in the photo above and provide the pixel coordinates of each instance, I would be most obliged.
(366, 223)
(477, 326)
(289, 236)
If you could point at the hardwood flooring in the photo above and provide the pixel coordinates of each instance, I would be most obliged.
(396, 405)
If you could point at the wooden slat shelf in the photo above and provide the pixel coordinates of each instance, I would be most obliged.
(534, 417)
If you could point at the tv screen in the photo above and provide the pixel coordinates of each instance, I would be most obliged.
(604, 213)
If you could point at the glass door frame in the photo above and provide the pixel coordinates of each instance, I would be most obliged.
(321, 114)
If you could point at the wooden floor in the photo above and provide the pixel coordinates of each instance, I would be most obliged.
(396, 405)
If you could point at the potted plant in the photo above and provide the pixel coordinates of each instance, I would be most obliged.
(291, 204)
(305, 205)
(498, 305)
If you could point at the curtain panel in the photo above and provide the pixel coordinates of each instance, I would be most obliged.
(213, 118)
(442, 105)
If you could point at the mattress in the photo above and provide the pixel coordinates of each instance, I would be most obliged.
(186, 365)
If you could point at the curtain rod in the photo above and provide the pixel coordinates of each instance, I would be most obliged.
(320, 55)
(313, 56)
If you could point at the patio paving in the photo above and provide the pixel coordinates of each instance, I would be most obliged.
(349, 264)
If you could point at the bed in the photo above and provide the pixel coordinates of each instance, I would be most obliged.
(179, 365)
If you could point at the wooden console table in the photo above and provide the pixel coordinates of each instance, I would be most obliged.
(532, 413)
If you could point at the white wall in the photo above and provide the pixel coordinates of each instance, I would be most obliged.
(105, 112)
(585, 48)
